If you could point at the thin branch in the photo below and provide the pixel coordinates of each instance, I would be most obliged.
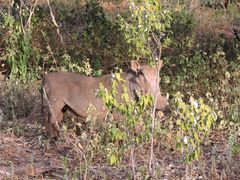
(79, 151)
(20, 16)
(49, 49)
(133, 162)
(159, 66)
(54, 21)
(28, 24)
(5, 173)
(25, 6)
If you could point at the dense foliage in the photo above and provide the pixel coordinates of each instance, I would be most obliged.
(198, 41)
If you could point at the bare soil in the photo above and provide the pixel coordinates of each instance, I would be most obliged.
(25, 156)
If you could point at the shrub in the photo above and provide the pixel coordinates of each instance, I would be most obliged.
(135, 124)
(102, 41)
(148, 24)
(194, 121)
(19, 51)
(19, 99)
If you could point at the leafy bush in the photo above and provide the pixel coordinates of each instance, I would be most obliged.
(102, 41)
(148, 23)
(134, 125)
(19, 51)
(203, 76)
(195, 121)
(183, 25)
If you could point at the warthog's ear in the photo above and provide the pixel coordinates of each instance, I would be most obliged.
(135, 66)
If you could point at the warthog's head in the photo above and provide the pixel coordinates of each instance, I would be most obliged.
(146, 80)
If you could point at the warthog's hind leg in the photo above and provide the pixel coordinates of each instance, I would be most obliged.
(55, 116)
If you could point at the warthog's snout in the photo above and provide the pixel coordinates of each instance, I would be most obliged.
(162, 102)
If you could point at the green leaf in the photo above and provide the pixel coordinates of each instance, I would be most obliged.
(113, 159)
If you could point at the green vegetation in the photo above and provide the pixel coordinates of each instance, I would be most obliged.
(134, 127)
(194, 121)
(199, 43)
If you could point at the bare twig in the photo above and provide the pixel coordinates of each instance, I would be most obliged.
(28, 24)
(161, 120)
(159, 65)
(22, 3)
(48, 48)
(58, 176)
(54, 21)
(133, 163)
(78, 149)
(21, 19)
(4, 173)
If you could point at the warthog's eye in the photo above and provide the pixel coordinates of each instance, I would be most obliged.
(140, 72)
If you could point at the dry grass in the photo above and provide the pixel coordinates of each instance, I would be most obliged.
(211, 22)
(31, 156)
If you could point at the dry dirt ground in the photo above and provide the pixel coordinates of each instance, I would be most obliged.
(26, 154)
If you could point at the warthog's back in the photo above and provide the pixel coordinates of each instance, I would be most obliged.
(75, 90)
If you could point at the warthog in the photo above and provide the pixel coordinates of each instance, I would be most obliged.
(76, 92)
